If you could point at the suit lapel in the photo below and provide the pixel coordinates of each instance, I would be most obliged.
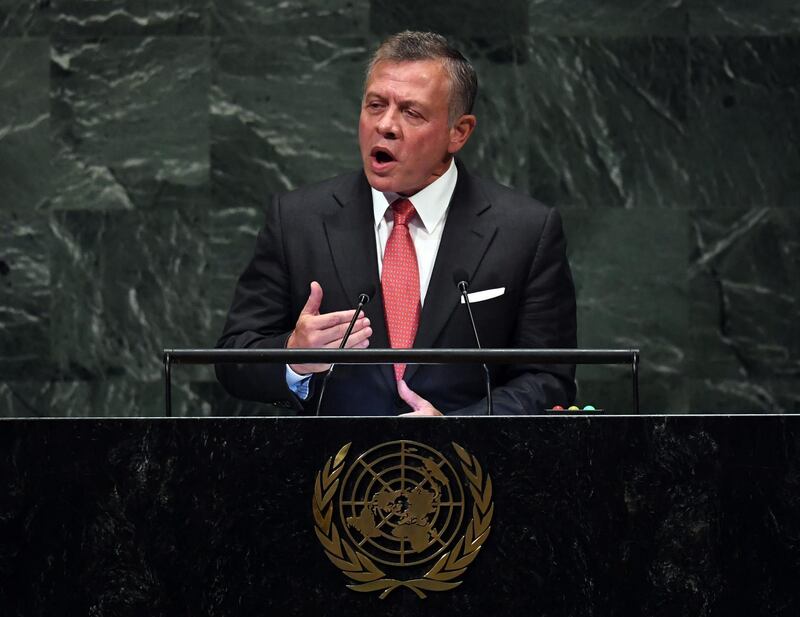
(468, 232)
(351, 237)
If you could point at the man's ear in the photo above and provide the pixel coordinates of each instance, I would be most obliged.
(460, 132)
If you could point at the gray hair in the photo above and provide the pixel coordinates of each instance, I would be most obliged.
(409, 46)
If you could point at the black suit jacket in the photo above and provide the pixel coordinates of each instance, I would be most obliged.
(325, 232)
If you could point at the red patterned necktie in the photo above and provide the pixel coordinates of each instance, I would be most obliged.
(400, 282)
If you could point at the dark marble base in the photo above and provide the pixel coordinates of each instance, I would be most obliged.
(650, 515)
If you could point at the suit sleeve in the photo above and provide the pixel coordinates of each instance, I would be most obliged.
(260, 317)
(546, 320)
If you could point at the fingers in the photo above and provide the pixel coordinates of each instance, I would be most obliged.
(358, 336)
(414, 400)
(328, 320)
(314, 330)
(331, 320)
(420, 406)
(314, 300)
(423, 412)
(307, 333)
(332, 337)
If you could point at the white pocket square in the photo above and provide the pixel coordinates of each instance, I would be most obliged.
(486, 294)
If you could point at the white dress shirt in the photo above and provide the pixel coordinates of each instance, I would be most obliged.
(432, 205)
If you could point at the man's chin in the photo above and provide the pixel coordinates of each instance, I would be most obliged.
(384, 184)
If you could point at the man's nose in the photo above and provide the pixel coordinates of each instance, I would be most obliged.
(387, 125)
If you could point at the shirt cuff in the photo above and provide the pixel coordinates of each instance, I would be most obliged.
(297, 383)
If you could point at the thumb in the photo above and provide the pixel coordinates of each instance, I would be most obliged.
(314, 300)
(414, 400)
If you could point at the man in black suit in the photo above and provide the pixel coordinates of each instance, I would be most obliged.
(404, 226)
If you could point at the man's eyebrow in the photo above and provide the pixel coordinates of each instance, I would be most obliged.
(411, 103)
(402, 103)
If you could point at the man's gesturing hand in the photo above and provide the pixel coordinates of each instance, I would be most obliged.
(420, 406)
(315, 330)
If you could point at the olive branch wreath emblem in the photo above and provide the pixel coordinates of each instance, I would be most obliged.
(360, 568)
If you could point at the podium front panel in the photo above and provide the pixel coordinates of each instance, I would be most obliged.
(552, 516)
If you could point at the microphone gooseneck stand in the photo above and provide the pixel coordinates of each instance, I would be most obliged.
(363, 300)
(463, 285)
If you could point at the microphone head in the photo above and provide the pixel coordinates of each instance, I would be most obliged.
(460, 277)
(366, 295)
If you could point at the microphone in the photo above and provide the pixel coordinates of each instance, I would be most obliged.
(363, 299)
(461, 279)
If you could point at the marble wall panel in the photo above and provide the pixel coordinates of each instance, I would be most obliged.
(24, 128)
(630, 279)
(124, 286)
(130, 122)
(25, 18)
(115, 397)
(255, 18)
(461, 17)
(745, 288)
(124, 397)
(25, 297)
(133, 283)
(584, 122)
(731, 17)
(283, 115)
(745, 125)
(130, 18)
(604, 18)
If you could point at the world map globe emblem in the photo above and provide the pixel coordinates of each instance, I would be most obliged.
(401, 503)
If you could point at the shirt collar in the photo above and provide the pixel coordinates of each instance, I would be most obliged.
(430, 203)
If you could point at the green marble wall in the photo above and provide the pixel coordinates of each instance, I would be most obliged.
(138, 141)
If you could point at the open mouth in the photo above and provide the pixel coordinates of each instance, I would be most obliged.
(382, 156)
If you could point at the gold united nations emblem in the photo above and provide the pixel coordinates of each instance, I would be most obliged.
(401, 508)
